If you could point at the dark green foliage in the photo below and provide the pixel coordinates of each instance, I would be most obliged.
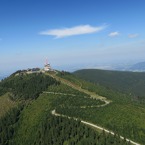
(64, 131)
(70, 77)
(123, 115)
(2, 90)
(63, 73)
(76, 102)
(127, 82)
(72, 97)
(27, 86)
(7, 125)
(62, 88)
(35, 125)
(119, 119)
(101, 90)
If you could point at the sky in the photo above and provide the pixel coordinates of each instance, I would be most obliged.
(71, 34)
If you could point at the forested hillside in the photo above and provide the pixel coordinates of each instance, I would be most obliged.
(127, 82)
(26, 86)
(123, 115)
(30, 121)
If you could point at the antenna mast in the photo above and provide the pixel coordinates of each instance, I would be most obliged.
(46, 61)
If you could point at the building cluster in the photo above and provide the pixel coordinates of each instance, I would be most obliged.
(46, 68)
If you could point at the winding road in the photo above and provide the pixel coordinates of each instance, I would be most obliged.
(53, 112)
(92, 95)
(83, 107)
(76, 87)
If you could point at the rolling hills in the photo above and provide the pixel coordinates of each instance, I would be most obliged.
(138, 67)
(31, 121)
(132, 83)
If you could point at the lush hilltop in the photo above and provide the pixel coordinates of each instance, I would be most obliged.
(127, 82)
(30, 121)
(26, 86)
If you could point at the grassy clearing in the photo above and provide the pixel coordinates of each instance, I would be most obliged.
(6, 104)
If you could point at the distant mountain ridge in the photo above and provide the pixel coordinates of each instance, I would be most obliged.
(138, 66)
(127, 82)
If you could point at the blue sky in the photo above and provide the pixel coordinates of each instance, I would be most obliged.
(71, 34)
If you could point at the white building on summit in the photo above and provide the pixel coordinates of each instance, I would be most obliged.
(47, 66)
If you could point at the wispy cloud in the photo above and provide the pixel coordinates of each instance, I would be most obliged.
(0, 39)
(133, 35)
(114, 34)
(77, 30)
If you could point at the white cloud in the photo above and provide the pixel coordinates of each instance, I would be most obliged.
(133, 35)
(77, 30)
(114, 34)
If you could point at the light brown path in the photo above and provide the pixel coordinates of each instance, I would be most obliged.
(76, 87)
(93, 95)
(53, 112)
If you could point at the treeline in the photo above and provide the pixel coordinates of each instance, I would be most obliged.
(26, 86)
(8, 124)
(64, 131)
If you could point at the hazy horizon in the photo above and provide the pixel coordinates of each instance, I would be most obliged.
(71, 34)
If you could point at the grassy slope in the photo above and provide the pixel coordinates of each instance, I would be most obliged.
(6, 104)
(127, 82)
